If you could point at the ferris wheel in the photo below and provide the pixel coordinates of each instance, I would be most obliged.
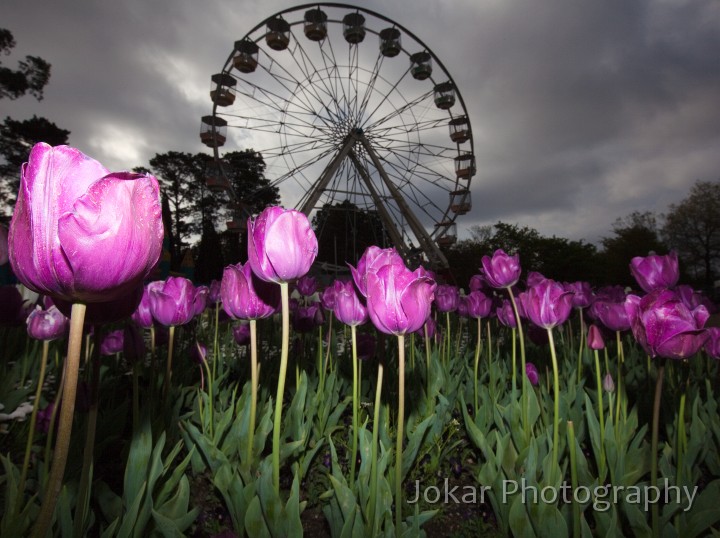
(346, 105)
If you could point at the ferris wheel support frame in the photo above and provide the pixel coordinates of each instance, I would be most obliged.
(426, 243)
(395, 236)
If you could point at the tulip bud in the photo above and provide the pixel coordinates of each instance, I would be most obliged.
(608, 383)
(532, 374)
(595, 339)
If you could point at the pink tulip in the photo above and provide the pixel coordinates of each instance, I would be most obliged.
(281, 244)
(81, 233)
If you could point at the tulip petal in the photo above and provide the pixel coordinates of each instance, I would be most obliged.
(117, 219)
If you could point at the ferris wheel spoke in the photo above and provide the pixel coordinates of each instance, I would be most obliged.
(342, 123)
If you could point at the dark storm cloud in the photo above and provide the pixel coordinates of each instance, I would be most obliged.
(581, 111)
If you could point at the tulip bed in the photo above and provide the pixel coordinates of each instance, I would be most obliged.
(178, 463)
(382, 404)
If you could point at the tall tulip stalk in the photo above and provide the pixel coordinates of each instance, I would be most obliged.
(398, 302)
(548, 304)
(71, 219)
(349, 310)
(172, 303)
(281, 248)
(245, 296)
(502, 271)
(667, 329)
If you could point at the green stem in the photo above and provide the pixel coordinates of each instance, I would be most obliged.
(601, 414)
(556, 397)
(400, 434)
(88, 452)
(285, 297)
(253, 391)
(477, 365)
(523, 377)
(33, 421)
(654, 445)
(168, 364)
(355, 396)
(374, 450)
(215, 340)
(581, 347)
(136, 397)
(427, 360)
(681, 432)
(574, 479)
(72, 363)
(514, 361)
(620, 385)
(447, 325)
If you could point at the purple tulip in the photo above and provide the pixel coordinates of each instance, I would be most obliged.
(399, 300)
(114, 342)
(446, 298)
(431, 327)
(608, 384)
(547, 304)
(245, 296)
(532, 373)
(4, 255)
(214, 294)
(611, 314)
(506, 314)
(172, 302)
(198, 352)
(371, 261)
(281, 244)
(306, 285)
(534, 278)
(655, 272)
(143, 315)
(307, 318)
(479, 305)
(241, 334)
(200, 301)
(44, 416)
(462, 308)
(614, 294)
(348, 307)
(477, 283)
(582, 294)
(502, 270)
(81, 233)
(47, 324)
(595, 339)
(664, 326)
(712, 344)
(694, 298)
(327, 298)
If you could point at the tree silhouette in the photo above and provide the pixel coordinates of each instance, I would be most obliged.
(31, 76)
(637, 234)
(18, 137)
(692, 228)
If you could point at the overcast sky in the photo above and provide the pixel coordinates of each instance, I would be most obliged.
(582, 110)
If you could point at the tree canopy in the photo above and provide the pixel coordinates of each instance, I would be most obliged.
(692, 229)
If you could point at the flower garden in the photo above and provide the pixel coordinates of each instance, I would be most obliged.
(276, 403)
